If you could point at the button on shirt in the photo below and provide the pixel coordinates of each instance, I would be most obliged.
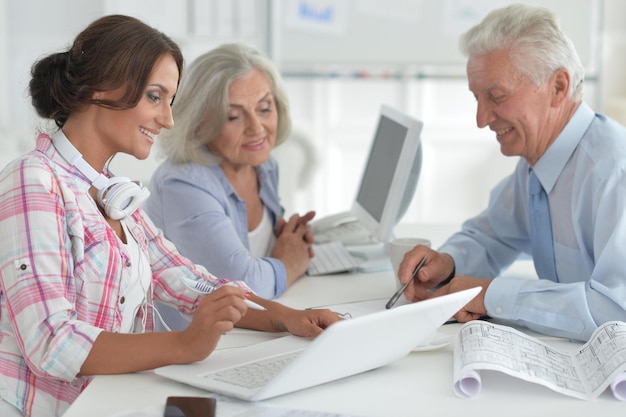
(62, 266)
(584, 175)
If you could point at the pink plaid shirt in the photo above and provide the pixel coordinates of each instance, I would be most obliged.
(62, 271)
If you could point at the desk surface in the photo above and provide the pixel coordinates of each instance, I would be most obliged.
(419, 384)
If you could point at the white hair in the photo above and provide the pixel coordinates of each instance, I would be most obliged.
(200, 108)
(537, 45)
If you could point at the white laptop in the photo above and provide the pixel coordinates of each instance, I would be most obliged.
(346, 348)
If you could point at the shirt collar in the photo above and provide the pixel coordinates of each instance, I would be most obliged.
(552, 162)
(45, 146)
(263, 172)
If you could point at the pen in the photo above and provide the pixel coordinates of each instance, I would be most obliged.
(205, 288)
(253, 305)
(395, 297)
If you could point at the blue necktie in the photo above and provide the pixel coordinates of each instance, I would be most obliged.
(541, 230)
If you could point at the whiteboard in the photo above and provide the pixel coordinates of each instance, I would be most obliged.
(362, 34)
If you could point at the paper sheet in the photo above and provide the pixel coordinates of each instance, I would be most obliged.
(358, 308)
(598, 364)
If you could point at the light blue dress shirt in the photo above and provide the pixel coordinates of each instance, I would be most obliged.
(198, 210)
(584, 175)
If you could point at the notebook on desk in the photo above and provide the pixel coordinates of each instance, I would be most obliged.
(346, 348)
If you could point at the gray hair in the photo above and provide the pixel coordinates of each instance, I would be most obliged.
(200, 108)
(537, 45)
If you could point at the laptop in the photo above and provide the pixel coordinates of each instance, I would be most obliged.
(346, 348)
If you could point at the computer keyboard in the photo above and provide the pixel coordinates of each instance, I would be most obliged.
(331, 257)
(254, 374)
(351, 233)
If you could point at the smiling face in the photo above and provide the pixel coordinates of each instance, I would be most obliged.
(249, 133)
(133, 130)
(521, 114)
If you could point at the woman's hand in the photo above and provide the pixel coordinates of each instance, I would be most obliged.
(217, 314)
(309, 323)
(280, 318)
(293, 245)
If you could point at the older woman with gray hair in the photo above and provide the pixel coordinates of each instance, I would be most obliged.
(216, 194)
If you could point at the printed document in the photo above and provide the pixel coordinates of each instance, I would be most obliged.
(584, 374)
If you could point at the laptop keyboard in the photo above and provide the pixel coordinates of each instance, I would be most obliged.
(331, 257)
(255, 374)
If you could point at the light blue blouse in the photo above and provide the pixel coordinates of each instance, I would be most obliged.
(198, 210)
(584, 174)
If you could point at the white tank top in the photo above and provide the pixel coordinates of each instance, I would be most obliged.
(262, 238)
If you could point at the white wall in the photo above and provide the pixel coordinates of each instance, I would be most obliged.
(461, 163)
(4, 68)
(614, 60)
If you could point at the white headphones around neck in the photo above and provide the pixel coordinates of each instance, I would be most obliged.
(118, 196)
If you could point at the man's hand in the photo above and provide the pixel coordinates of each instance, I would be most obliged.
(436, 269)
(476, 307)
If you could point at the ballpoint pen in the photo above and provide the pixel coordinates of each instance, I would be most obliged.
(395, 297)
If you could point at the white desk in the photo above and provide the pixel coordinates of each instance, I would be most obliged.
(419, 384)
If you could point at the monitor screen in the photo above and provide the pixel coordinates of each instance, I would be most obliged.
(381, 166)
(391, 172)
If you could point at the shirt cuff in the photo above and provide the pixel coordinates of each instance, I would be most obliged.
(70, 358)
(501, 295)
(280, 276)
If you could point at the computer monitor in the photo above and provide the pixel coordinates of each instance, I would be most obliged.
(391, 174)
